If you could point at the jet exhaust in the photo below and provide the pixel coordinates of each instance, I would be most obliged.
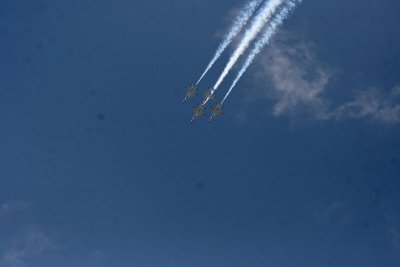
(239, 23)
(264, 15)
(264, 40)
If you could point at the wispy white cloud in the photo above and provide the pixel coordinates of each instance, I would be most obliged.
(9, 208)
(334, 214)
(32, 244)
(393, 230)
(97, 258)
(27, 241)
(293, 77)
(372, 104)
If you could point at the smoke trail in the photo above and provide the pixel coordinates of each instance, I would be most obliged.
(237, 26)
(262, 17)
(271, 29)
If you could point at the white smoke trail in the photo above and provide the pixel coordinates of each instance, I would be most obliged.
(237, 26)
(260, 20)
(264, 40)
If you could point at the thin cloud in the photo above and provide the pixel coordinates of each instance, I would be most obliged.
(9, 208)
(293, 77)
(32, 244)
(334, 214)
(374, 105)
(393, 231)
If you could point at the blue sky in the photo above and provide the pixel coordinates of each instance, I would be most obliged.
(100, 166)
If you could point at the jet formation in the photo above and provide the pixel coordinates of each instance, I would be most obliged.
(199, 110)
(255, 25)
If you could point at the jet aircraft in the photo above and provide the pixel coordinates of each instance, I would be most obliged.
(208, 94)
(198, 112)
(216, 111)
(191, 91)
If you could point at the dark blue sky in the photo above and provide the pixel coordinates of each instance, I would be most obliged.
(100, 166)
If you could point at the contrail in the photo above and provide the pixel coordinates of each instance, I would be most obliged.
(237, 26)
(264, 40)
(260, 20)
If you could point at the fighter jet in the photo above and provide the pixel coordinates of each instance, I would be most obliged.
(216, 111)
(198, 112)
(208, 94)
(191, 91)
